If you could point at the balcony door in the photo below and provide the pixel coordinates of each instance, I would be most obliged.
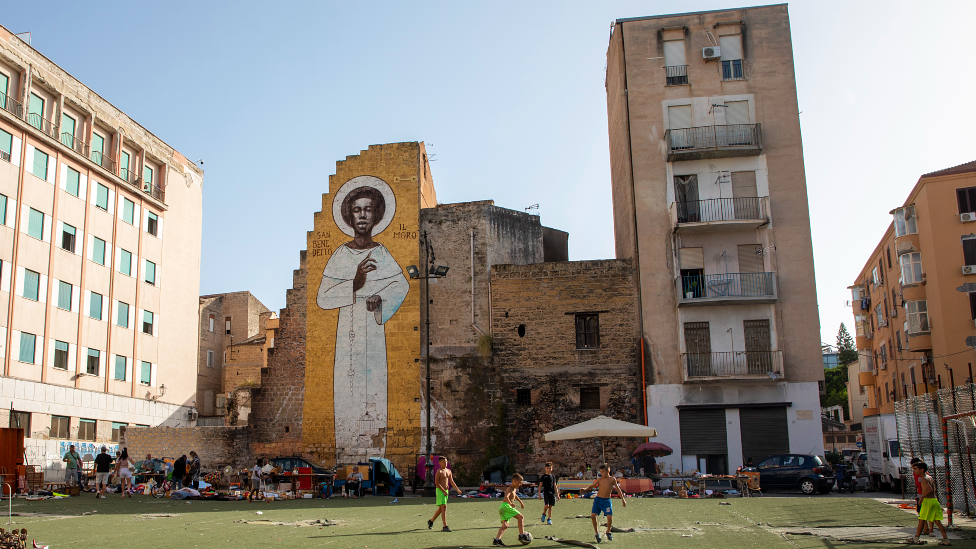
(679, 122)
(745, 201)
(758, 356)
(738, 130)
(752, 279)
(686, 198)
(698, 345)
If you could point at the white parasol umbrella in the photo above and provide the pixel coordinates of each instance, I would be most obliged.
(601, 427)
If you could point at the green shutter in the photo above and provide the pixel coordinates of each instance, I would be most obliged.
(97, 147)
(3, 209)
(26, 348)
(150, 272)
(39, 167)
(125, 263)
(4, 83)
(128, 211)
(6, 142)
(35, 111)
(64, 295)
(101, 196)
(119, 375)
(146, 375)
(73, 183)
(68, 130)
(122, 319)
(95, 306)
(147, 174)
(98, 251)
(35, 224)
(124, 166)
(32, 281)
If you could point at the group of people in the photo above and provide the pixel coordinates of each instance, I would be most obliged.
(185, 471)
(605, 484)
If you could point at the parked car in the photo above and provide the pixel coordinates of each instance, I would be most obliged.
(810, 474)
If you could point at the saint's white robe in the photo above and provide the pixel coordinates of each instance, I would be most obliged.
(360, 378)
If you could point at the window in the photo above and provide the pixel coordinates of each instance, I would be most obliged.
(125, 262)
(675, 66)
(120, 365)
(588, 331)
(35, 224)
(122, 318)
(6, 144)
(905, 221)
(68, 131)
(523, 397)
(875, 276)
(898, 333)
(147, 175)
(97, 148)
(3, 209)
(72, 182)
(94, 358)
(911, 268)
(918, 317)
(152, 224)
(589, 398)
(39, 166)
(20, 420)
(227, 325)
(124, 166)
(966, 199)
(101, 196)
(27, 348)
(86, 429)
(59, 426)
(884, 357)
(98, 250)
(115, 429)
(150, 272)
(972, 305)
(68, 237)
(145, 375)
(879, 312)
(731, 48)
(32, 285)
(128, 211)
(210, 359)
(95, 306)
(969, 251)
(147, 322)
(61, 355)
(888, 253)
(212, 322)
(35, 111)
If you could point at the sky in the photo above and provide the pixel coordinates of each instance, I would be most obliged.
(509, 98)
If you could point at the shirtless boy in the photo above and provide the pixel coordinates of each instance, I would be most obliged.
(443, 481)
(601, 503)
(507, 510)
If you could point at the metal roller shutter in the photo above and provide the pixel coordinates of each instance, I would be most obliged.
(765, 432)
(703, 432)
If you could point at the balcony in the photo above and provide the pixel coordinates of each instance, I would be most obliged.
(43, 124)
(725, 289)
(714, 142)
(676, 75)
(866, 379)
(11, 105)
(766, 365)
(74, 143)
(103, 160)
(719, 214)
(148, 188)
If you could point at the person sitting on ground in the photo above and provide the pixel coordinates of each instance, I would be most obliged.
(353, 482)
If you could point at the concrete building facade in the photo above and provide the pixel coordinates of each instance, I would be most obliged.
(914, 302)
(709, 199)
(100, 234)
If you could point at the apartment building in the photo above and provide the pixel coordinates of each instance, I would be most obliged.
(914, 302)
(709, 198)
(100, 230)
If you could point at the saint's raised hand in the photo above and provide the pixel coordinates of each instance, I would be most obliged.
(365, 266)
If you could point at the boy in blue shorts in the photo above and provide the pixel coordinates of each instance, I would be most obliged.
(601, 503)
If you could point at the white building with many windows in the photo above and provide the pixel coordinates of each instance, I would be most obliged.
(100, 232)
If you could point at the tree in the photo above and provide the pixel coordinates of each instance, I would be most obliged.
(846, 351)
(835, 385)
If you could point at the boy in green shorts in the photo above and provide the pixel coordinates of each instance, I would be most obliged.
(507, 510)
(931, 509)
(442, 482)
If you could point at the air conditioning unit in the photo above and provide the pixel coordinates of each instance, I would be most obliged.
(968, 269)
(967, 217)
(192, 415)
(711, 52)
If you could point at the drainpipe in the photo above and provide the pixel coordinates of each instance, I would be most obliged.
(644, 384)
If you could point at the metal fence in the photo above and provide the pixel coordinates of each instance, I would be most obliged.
(721, 209)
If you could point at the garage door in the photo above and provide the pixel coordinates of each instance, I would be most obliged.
(765, 432)
(703, 432)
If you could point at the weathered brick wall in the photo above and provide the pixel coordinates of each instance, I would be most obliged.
(243, 368)
(276, 408)
(544, 298)
(217, 446)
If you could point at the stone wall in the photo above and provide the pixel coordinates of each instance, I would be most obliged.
(216, 446)
(534, 310)
(243, 367)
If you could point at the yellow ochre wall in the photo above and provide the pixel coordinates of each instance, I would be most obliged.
(403, 166)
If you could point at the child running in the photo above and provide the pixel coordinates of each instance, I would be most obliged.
(931, 510)
(605, 485)
(442, 482)
(548, 493)
(507, 510)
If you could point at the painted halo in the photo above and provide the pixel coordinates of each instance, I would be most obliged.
(355, 183)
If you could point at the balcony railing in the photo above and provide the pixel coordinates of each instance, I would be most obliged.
(732, 70)
(124, 174)
(676, 75)
(728, 285)
(74, 143)
(43, 124)
(11, 105)
(721, 209)
(5, 156)
(733, 364)
(148, 188)
(103, 160)
(714, 142)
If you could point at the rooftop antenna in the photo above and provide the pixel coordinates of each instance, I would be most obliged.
(532, 207)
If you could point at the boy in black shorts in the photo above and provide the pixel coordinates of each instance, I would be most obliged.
(548, 493)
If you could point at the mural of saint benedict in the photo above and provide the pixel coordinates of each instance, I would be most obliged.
(366, 284)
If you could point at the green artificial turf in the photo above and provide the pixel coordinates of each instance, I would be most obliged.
(376, 522)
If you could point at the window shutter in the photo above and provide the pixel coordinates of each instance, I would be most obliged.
(679, 116)
(731, 47)
(749, 260)
(691, 258)
(736, 112)
(969, 250)
(52, 169)
(674, 53)
(15, 152)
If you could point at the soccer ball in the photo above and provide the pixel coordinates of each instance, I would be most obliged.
(525, 538)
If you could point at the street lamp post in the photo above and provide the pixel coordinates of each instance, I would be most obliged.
(439, 271)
